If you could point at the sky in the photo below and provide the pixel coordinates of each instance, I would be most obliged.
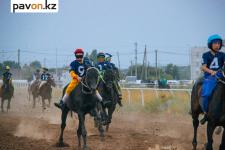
(171, 27)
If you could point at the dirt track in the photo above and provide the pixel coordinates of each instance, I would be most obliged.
(27, 128)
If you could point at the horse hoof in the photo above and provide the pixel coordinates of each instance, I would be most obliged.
(102, 138)
(85, 147)
(194, 146)
(61, 139)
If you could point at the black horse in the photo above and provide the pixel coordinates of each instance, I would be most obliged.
(216, 111)
(163, 86)
(108, 93)
(83, 100)
(6, 93)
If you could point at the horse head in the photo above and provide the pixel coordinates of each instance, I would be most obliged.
(91, 77)
(116, 74)
(51, 81)
(5, 81)
(108, 77)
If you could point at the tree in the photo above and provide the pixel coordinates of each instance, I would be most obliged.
(93, 56)
(11, 64)
(25, 66)
(35, 65)
(1, 69)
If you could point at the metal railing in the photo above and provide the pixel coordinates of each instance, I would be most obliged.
(141, 89)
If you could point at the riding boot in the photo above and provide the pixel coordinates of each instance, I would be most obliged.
(204, 119)
(119, 101)
(106, 103)
(60, 105)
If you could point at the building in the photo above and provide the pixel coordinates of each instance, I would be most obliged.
(196, 60)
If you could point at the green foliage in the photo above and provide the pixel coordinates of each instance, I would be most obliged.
(51, 70)
(11, 64)
(93, 56)
(2, 68)
(35, 65)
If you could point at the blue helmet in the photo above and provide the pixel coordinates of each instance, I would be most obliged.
(212, 38)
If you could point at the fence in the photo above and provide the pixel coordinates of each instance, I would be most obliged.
(141, 89)
(18, 83)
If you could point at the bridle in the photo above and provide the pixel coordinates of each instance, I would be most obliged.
(86, 84)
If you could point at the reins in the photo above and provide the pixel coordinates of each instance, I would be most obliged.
(85, 84)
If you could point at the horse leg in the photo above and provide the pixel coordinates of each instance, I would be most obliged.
(65, 112)
(2, 106)
(106, 117)
(43, 104)
(210, 129)
(34, 101)
(8, 107)
(222, 145)
(82, 130)
(49, 102)
(29, 95)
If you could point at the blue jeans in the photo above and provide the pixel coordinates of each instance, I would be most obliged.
(208, 87)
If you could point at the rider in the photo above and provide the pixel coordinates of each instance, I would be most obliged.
(163, 80)
(9, 75)
(35, 76)
(212, 61)
(119, 91)
(44, 78)
(77, 73)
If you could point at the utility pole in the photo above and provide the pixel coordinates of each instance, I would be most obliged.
(135, 59)
(44, 62)
(131, 68)
(56, 63)
(156, 64)
(148, 68)
(145, 63)
(18, 64)
(118, 59)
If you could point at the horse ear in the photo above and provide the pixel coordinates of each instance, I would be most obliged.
(86, 66)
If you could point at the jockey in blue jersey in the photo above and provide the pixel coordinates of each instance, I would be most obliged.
(35, 76)
(101, 57)
(9, 76)
(108, 59)
(44, 78)
(212, 61)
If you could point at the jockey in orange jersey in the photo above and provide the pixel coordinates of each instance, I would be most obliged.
(77, 72)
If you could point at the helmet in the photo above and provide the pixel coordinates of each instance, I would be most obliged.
(107, 56)
(37, 70)
(78, 51)
(86, 58)
(212, 38)
(7, 67)
(100, 54)
(45, 69)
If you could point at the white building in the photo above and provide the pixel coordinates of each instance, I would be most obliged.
(196, 60)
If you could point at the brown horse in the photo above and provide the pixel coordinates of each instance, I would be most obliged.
(216, 112)
(6, 93)
(32, 90)
(46, 91)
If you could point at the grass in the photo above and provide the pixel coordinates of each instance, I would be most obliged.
(165, 104)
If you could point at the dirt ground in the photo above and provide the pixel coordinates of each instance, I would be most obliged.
(27, 128)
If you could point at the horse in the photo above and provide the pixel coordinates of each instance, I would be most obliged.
(6, 93)
(83, 100)
(108, 93)
(163, 86)
(32, 89)
(216, 111)
(46, 91)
